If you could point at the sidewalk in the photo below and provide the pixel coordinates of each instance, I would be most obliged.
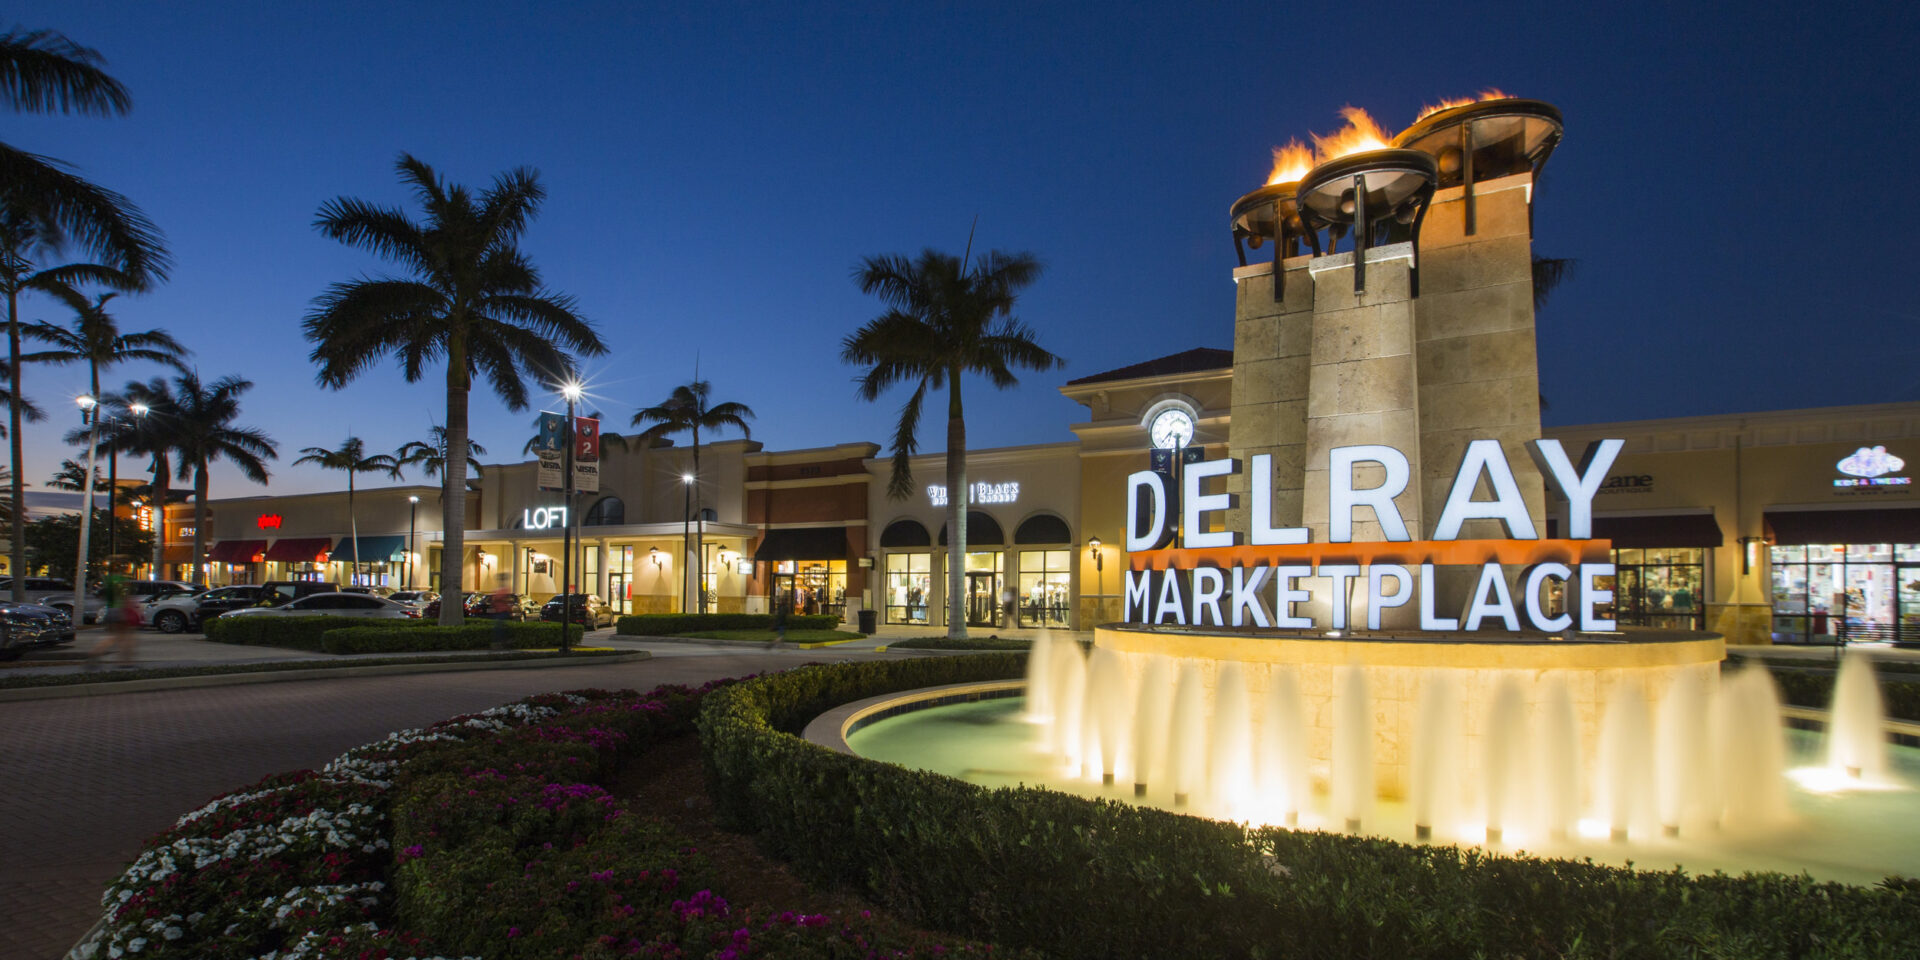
(161, 650)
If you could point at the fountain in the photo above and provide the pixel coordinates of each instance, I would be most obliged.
(1858, 747)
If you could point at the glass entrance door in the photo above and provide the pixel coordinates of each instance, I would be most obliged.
(1908, 620)
(983, 599)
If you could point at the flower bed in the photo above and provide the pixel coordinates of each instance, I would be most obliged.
(487, 835)
(1093, 879)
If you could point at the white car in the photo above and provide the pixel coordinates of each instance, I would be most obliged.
(333, 605)
(180, 611)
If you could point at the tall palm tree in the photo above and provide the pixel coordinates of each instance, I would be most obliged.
(72, 475)
(44, 206)
(95, 339)
(199, 430)
(431, 453)
(149, 436)
(943, 320)
(474, 300)
(687, 410)
(352, 457)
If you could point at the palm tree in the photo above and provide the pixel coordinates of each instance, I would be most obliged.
(73, 476)
(943, 320)
(198, 429)
(44, 205)
(475, 301)
(149, 436)
(687, 411)
(96, 340)
(431, 453)
(352, 457)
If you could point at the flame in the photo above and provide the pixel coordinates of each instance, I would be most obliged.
(1360, 133)
(1291, 162)
(1448, 103)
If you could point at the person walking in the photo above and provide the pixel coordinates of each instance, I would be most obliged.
(120, 615)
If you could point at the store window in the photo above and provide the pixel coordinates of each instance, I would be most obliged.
(811, 586)
(620, 578)
(984, 581)
(1660, 587)
(909, 587)
(606, 512)
(1044, 587)
(1839, 593)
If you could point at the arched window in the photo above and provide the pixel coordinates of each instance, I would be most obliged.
(606, 512)
(1043, 528)
(982, 530)
(708, 516)
(905, 533)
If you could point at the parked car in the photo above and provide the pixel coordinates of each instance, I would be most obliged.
(416, 598)
(372, 591)
(333, 605)
(27, 625)
(55, 592)
(432, 609)
(276, 592)
(175, 612)
(588, 608)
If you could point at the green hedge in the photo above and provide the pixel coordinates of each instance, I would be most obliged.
(680, 624)
(1076, 878)
(296, 633)
(401, 638)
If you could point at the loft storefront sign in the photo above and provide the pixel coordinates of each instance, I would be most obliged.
(1265, 576)
(543, 518)
(1008, 492)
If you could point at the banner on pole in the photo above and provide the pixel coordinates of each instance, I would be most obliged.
(550, 446)
(586, 455)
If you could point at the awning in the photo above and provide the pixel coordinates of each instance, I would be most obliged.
(1891, 525)
(1680, 530)
(235, 551)
(805, 543)
(299, 549)
(375, 548)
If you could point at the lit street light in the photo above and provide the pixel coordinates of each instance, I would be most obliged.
(413, 509)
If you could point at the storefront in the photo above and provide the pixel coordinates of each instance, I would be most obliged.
(1834, 580)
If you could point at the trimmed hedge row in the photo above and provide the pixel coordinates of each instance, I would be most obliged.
(1095, 879)
(471, 636)
(294, 633)
(970, 643)
(679, 624)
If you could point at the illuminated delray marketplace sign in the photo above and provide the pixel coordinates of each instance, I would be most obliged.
(1008, 492)
(1212, 578)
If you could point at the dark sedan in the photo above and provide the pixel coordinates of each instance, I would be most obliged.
(26, 625)
(588, 608)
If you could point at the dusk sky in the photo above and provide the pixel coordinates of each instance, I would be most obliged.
(1732, 183)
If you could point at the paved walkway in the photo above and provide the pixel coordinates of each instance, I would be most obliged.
(86, 780)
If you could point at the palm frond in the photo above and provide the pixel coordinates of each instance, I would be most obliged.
(106, 226)
(44, 72)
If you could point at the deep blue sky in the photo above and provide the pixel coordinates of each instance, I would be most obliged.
(1736, 182)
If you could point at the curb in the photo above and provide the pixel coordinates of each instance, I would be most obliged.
(109, 688)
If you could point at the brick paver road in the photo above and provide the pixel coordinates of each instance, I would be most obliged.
(83, 781)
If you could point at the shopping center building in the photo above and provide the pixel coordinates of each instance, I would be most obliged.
(1784, 526)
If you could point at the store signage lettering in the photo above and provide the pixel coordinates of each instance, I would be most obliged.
(1212, 579)
(268, 521)
(185, 533)
(978, 493)
(1869, 466)
(1627, 483)
(543, 518)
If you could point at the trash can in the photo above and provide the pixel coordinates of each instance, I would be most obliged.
(868, 622)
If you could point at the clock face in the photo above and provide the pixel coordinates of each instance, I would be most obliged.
(1172, 428)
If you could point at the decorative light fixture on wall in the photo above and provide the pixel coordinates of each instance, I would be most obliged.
(653, 553)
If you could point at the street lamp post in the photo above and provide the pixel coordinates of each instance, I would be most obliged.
(113, 484)
(686, 535)
(90, 418)
(572, 391)
(413, 510)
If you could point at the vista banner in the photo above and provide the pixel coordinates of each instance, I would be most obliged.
(586, 455)
(550, 447)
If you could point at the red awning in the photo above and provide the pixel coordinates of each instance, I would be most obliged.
(236, 551)
(300, 549)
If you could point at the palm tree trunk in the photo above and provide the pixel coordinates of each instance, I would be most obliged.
(453, 489)
(200, 524)
(17, 562)
(699, 529)
(956, 511)
(160, 487)
(353, 528)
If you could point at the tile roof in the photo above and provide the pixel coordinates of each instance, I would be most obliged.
(1187, 361)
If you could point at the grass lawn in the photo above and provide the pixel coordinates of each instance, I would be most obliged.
(767, 636)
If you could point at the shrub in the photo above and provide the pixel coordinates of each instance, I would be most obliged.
(401, 636)
(296, 633)
(680, 624)
(1077, 878)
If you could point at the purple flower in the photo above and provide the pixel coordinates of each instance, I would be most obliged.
(413, 852)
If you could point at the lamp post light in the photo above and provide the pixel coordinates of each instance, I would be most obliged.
(1099, 569)
(686, 532)
(89, 417)
(572, 391)
(413, 511)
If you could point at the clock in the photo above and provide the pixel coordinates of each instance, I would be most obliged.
(1171, 428)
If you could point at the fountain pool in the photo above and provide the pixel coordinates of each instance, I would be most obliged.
(1705, 776)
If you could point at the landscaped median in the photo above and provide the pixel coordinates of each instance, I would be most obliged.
(343, 636)
(1090, 879)
(491, 835)
(735, 627)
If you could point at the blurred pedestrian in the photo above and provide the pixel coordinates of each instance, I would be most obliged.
(120, 615)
